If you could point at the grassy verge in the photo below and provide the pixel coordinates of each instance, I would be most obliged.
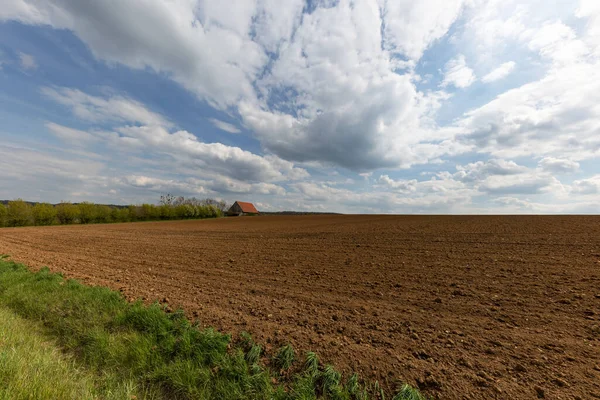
(157, 355)
(31, 366)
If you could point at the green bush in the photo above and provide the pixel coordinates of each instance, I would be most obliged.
(3, 213)
(103, 214)
(67, 213)
(43, 214)
(87, 212)
(18, 213)
(134, 214)
(119, 214)
(166, 211)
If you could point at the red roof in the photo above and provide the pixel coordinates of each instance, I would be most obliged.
(247, 207)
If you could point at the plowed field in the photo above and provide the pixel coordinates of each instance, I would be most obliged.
(474, 307)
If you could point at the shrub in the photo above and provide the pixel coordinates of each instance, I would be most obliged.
(19, 213)
(87, 212)
(67, 213)
(166, 211)
(120, 214)
(103, 213)
(133, 213)
(43, 214)
(2, 215)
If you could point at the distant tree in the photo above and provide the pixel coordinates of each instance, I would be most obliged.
(223, 206)
(134, 213)
(219, 204)
(43, 214)
(2, 215)
(103, 213)
(18, 213)
(178, 201)
(119, 214)
(87, 212)
(67, 213)
(167, 199)
(148, 212)
(166, 211)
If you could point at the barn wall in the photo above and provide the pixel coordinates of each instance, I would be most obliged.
(235, 209)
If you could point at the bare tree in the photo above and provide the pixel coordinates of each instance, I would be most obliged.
(167, 199)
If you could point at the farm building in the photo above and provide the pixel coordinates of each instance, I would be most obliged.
(242, 208)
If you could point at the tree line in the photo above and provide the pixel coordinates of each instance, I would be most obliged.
(21, 213)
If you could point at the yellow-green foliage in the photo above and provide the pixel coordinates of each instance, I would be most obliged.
(67, 213)
(120, 215)
(43, 214)
(103, 214)
(33, 367)
(19, 213)
(87, 212)
(2, 215)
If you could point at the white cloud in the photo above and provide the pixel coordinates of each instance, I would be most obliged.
(99, 109)
(71, 136)
(27, 61)
(399, 185)
(412, 26)
(499, 73)
(153, 136)
(290, 76)
(480, 170)
(224, 126)
(500, 177)
(336, 86)
(589, 186)
(457, 73)
(532, 183)
(555, 116)
(558, 165)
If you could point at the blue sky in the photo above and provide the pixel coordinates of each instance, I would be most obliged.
(366, 106)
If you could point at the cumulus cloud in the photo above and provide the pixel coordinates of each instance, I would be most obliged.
(587, 186)
(412, 26)
(400, 185)
(500, 177)
(317, 86)
(552, 117)
(457, 73)
(224, 126)
(558, 165)
(335, 84)
(480, 170)
(499, 73)
(153, 135)
(520, 184)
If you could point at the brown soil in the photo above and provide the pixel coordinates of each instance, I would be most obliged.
(466, 307)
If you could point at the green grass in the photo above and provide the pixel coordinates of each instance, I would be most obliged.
(33, 367)
(154, 354)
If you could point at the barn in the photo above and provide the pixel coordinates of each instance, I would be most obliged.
(242, 208)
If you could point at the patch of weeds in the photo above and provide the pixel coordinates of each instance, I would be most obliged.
(284, 358)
